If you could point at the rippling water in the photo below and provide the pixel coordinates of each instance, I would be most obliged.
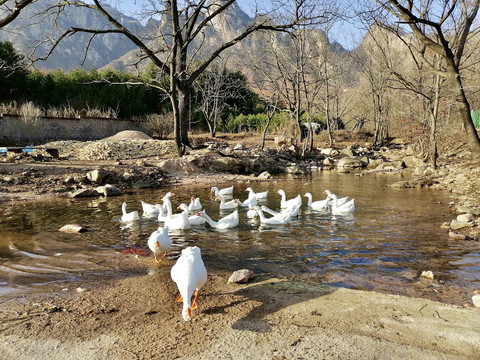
(392, 236)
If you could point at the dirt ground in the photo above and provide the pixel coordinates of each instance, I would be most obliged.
(268, 318)
(137, 318)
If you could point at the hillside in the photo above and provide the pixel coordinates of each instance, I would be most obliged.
(115, 51)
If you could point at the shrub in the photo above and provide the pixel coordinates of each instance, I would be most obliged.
(255, 122)
(157, 125)
(31, 114)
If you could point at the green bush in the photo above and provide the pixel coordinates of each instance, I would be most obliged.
(255, 122)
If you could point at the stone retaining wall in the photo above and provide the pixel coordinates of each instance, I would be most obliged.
(14, 130)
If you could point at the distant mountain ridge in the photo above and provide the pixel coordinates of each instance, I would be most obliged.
(112, 50)
(30, 29)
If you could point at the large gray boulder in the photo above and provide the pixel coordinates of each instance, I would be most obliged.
(97, 176)
(296, 169)
(255, 166)
(412, 161)
(228, 164)
(108, 190)
(348, 162)
(391, 166)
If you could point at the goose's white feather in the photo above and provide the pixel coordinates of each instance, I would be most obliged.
(196, 220)
(195, 204)
(284, 203)
(223, 192)
(226, 222)
(317, 205)
(279, 219)
(159, 242)
(344, 208)
(190, 274)
(259, 195)
(128, 216)
(176, 221)
(225, 205)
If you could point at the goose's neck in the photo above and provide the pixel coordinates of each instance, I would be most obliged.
(124, 208)
(309, 203)
(334, 205)
(209, 219)
(169, 207)
(260, 214)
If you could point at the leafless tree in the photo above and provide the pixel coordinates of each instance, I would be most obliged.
(442, 27)
(375, 62)
(181, 36)
(215, 86)
(271, 108)
(424, 84)
(336, 75)
(289, 69)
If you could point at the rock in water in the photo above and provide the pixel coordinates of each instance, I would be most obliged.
(84, 193)
(109, 190)
(427, 274)
(73, 228)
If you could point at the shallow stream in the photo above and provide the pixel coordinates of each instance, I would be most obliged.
(392, 237)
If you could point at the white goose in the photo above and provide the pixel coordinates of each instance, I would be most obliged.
(225, 205)
(317, 205)
(195, 204)
(292, 210)
(252, 213)
(284, 203)
(196, 219)
(163, 209)
(250, 202)
(190, 274)
(279, 219)
(127, 217)
(340, 201)
(150, 209)
(159, 242)
(259, 196)
(222, 192)
(176, 221)
(226, 222)
(344, 208)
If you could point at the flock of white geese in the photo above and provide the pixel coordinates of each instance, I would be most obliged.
(189, 272)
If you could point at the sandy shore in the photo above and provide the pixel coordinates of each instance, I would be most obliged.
(137, 318)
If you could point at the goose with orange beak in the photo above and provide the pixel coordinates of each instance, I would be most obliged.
(159, 242)
(190, 274)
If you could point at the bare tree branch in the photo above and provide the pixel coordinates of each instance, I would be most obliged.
(12, 12)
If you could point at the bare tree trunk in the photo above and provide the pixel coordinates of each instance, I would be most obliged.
(422, 20)
(183, 115)
(174, 94)
(270, 115)
(433, 126)
(463, 107)
(327, 104)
